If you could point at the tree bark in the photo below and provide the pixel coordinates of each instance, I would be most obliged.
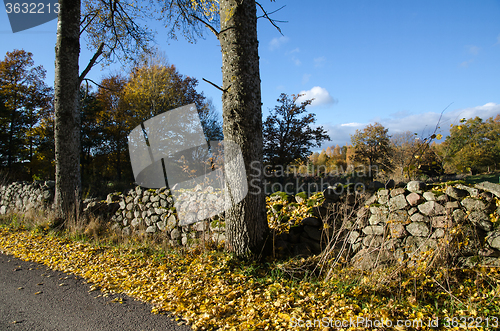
(67, 115)
(246, 222)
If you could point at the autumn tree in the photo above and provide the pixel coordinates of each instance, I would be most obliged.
(474, 145)
(288, 132)
(155, 86)
(24, 97)
(115, 120)
(372, 145)
(403, 145)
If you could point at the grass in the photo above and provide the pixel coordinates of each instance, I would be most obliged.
(493, 178)
(212, 289)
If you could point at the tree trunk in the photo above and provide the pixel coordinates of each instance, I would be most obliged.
(67, 115)
(246, 222)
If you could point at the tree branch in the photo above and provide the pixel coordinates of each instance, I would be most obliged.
(91, 63)
(266, 15)
(211, 28)
(214, 85)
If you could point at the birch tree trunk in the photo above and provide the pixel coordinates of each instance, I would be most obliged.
(67, 115)
(246, 222)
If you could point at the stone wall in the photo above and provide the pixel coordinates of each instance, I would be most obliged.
(455, 223)
(401, 225)
(23, 196)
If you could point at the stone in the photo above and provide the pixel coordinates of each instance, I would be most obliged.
(314, 245)
(429, 196)
(438, 233)
(412, 211)
(417, 217)
(416, 186)
(443, 199)
(473, 261)
(456, 193)
(381, 210)
(473, 192)
(130, 206)
(200, 226)
(397, 216)
(367, 259)
(377, 219)
(414, 199)
(481, 219)
(353, 237)
(312, 221)
(151, 229)
(471, 238)
(431, 208)
(421, 244)
(493, 239)
(473, 204)
(489, 187)
(161, 225)
(332, 194)
(135, 222)
(441, 222)
(375, 185)
(175, 234)
(373, 241)
(418, 229)
(218, 237)
(398, 202)
(397, 191)
(313, 232)
(126, 231)
(3, 210)
(382, 193)
(397, 230)
(451, 205)
(458, 216)
(383, 199)
(373, 230)
(371, 200)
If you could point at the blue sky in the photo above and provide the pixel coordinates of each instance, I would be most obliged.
(396, 62)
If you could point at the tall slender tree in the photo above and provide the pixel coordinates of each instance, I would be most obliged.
(234, 23)
(24, 95)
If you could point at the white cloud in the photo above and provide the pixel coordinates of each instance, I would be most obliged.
(295, 50)
(353, 124)
(296, 61)
(276, 43)
(465, 64)
(423, 124)
(319, 61)
(474, 50)
(320, 95)
(305, 78)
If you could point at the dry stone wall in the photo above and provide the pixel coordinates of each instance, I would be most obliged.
(406, 225)
(24, 196)
(399, 226)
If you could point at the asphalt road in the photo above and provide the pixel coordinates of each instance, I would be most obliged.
(33, 297)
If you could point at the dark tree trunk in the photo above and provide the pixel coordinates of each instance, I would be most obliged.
(246, 222)
(67, 115)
